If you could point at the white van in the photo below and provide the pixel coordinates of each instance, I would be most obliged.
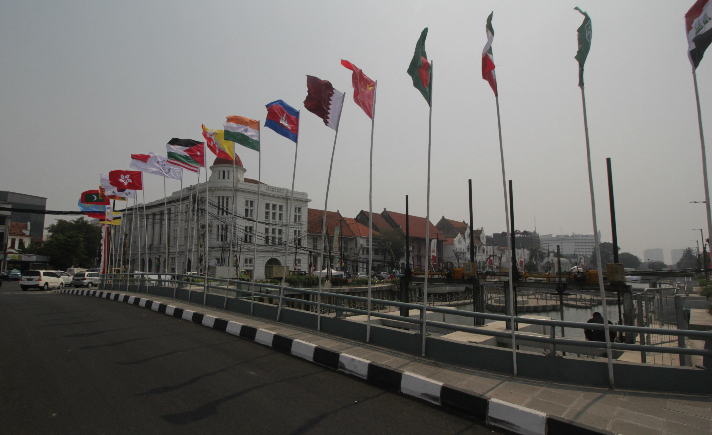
(73, 270)
(43, 279)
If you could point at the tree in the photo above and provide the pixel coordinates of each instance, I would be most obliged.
(72, 243)
(606, 255)
(392, 240)
(629, 260)
(688, 260)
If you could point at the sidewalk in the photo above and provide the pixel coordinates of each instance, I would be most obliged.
(617, 411)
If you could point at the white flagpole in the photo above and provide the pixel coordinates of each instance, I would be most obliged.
(145, 230)
(257, 219)
(165, 219)
(424, 332)
(704, 159)
(370, 216)
(207, 234)
(128, 267)
(289, 216)
(180, 222)
(509, 237)
(597, 246)
(194, 240)
(326, 202)
(189, 219)
(232, 231)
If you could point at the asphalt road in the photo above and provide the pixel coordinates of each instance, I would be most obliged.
(78, 365)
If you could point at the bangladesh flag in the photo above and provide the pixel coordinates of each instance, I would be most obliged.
(420, 70)
(584, 43)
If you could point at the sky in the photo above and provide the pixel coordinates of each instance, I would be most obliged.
(86, 83)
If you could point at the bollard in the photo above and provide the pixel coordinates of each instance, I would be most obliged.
(685, 360)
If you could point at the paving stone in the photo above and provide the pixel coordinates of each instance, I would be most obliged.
(510, 396)
(588, 419)
(627, 428)
(688, 419)
(556, 397)
(546, 406)
(672, 428)
(694, 407)
(639, 419)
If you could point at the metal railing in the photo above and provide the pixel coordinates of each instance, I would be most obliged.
(251, 292)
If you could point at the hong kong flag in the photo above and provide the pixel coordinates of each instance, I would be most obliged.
(132, 180)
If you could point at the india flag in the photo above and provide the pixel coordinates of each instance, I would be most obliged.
(244, 131)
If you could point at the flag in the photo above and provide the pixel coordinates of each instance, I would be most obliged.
(154, 164)
(420, 70)
(213, 138)
(487, 57)
(584, 43)
(324, 101)
(93, 208)
(116, 221)
(283, 119)
(132, 180)
(244, 131)
(95, 215)
(186, 153)
(434, 251)
(699, 30)
(109, 215)
(93, 197)
(364, 88)
(112, 192)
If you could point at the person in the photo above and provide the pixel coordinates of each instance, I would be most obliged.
(595, 334)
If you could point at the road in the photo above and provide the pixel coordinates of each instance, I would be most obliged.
(78, 365)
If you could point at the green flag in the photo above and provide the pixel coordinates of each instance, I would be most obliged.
(584, 43)
(420, 69)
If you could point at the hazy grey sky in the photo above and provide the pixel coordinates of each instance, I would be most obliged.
(86, 83)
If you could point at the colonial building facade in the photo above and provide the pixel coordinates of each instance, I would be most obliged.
(231, 242)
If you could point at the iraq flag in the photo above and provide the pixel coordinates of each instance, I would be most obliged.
(698, 24)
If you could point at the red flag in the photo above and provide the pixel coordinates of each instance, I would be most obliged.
(132, 180)
(363, 88)
(94, 197)
(212, 143)
(100, 215)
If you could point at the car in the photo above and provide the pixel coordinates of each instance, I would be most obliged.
(88, 279)
(15, 275)
(44, 279)
(4, 276)
(66, 278)
(74, 270)
(361, 275)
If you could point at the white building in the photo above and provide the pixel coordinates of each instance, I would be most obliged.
(676, 255)
(655, 254)
(573, 246)
(264, 224)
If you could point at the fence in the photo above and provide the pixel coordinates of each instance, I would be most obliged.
(339, 305)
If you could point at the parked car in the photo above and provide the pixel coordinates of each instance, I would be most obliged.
(88, 279)
(15, 275)
(66, 278)
(44, 279)
(4, 276)
(74, 270)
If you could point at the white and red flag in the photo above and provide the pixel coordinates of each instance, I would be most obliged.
(698, 25)
(324, 101)
(156, 165)
(129, 180)
(434, 251)
(487, 57)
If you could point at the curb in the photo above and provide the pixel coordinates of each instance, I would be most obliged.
(495, 412)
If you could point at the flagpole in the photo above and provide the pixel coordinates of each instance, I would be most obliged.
(370, 215)
(257, 218)
(180, 221)
(133, 219)
(145, 231)
(207, 236)
(427, 213)
(165, 219)
(509, 236)
(704, 158)
(326, 202)
(232, 224)
(597, 244)
(194, 240)
(289, 216)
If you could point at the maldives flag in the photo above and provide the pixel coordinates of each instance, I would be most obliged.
(364, 88)
(324, 101)
(698, 24)
(487, 58)
(212, 140)
(420, 70)
(131, 180)
(283, 119)
(93, 197)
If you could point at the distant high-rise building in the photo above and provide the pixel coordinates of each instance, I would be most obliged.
(20, 201)
(575, 245)
(655, 254)
(675, 255)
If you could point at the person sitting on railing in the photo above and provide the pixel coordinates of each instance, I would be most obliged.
(595, 334)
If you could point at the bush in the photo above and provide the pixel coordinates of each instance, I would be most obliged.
(360, 282)
(302, 281)
(339, 282)
(706, 291)
(704, 283)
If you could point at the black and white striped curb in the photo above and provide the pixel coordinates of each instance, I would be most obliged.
(495, 412)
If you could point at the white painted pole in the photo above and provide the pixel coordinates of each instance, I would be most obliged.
(289, 216)
(704, 160)
(232, 231)
(370, 216)
(597, 246)
(145, 230)
(509, 239)
(424, 317)
(180, 223)
(326, 204)
(207, 233)
(257, 219)
(128, 267)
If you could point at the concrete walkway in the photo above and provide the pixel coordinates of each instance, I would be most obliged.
(618, 411)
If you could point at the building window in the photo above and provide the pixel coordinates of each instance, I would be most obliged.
(249, 262)
(279, 236)
(249, 237)
(298, 264)
(266, 236)
(12, 243)
(249, 208)
(298, 237)
(297, 215)
(315, 243)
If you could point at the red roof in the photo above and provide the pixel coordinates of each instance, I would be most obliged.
(17, 228)
(221, 161)
(379, 222)
(358, 229)
(449, 241)
(333, 220)
(417, 225)
(460, 226)
(252, 181)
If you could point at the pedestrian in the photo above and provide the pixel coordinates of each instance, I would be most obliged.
(595, 334)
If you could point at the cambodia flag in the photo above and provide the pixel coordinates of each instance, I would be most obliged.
(283, 119)
(132, 180)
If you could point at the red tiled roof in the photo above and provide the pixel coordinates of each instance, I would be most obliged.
(16, 228)
(449, 241)
(417, 225)
(251, 181)
(358, 229)
(460, 226)
(333, 220)
(221, 161)
(379, 222)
